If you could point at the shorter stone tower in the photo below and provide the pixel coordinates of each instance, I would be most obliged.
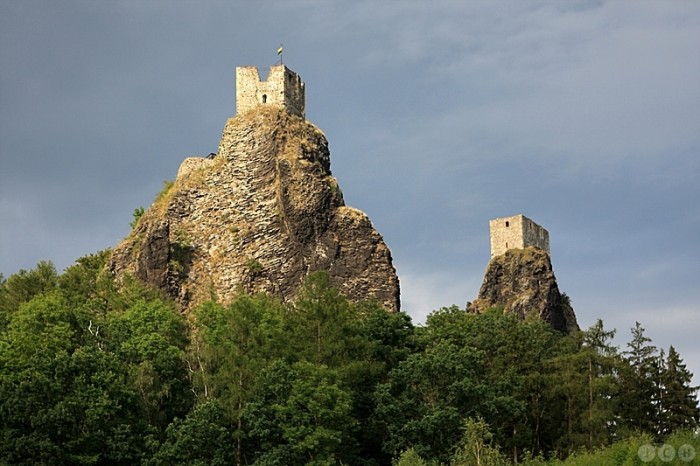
(516, 232)
(282, 88)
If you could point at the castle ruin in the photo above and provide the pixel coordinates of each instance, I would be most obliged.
(516, 232)
(283, 88)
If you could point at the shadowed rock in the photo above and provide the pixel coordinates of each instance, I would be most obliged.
(522, 282)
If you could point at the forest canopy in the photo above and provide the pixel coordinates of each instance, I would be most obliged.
(98, 372)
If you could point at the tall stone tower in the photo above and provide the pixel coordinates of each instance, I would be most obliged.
(519, 277)
(516, 232)
(283, 88)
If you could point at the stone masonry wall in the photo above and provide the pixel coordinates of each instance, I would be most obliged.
(283, 88)
(516, 232)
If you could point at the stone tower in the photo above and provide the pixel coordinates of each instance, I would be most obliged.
(283, 88)
(516, 232)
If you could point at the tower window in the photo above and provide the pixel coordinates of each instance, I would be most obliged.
(507, 224)
(264, 98)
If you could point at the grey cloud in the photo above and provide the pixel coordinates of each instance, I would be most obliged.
(583, 115)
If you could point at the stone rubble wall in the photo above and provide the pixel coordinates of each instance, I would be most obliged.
(283, 88)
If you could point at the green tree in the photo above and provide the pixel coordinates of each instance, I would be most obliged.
(150, 336)
(359, 342)
(63, 398)
(517, 373)
(22, 286)
(426, 397)
(391, 334)
(678, 404)
(409, 458)
(233, 345)
(86, 283)
(585, 377)
(488, 365)
(301, 415)
(476, 447)
(602, 363)
(639, 394)
(391, 339)
(201, 439)
(324, 326)
(137, 214)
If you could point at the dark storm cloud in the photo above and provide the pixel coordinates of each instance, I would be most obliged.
(583, 115)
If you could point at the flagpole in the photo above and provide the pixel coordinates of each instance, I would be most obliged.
(280, 52)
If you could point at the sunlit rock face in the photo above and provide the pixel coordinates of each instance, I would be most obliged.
(259, 216)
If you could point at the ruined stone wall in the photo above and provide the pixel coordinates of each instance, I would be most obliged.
(535, 235)
(283, 88)
(516, 232)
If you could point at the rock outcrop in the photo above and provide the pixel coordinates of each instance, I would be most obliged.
(522, 282)
(258, 217)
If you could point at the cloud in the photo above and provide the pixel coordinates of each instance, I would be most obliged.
(667, 326)
(583, 115)
(595, 89)
(424, 291)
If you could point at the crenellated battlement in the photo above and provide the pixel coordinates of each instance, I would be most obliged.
(283, 88)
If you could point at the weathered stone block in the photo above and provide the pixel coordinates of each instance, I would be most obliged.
(516, 232)
(283, 89)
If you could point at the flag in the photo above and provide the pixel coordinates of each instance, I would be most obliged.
(279, 50)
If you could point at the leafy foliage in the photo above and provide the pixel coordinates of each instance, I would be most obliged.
(23, 286)
(89, 374)
(476, 448)
(98, 372)
(137, 214)
(201, 439)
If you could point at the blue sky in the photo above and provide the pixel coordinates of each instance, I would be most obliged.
(582, 115)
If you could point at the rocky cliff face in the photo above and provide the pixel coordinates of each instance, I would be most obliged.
(258, 217)
(522, 282)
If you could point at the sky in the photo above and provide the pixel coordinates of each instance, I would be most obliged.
(582, 115)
